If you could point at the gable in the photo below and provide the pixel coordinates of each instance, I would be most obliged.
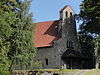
(46, 33)
(67, 8)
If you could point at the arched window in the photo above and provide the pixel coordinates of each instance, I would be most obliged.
(70, 13)
(69, 44)
(66, 13)
(46, 61)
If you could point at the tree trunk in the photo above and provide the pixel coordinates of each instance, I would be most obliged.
(97, 65)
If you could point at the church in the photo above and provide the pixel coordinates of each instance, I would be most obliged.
(57, 42)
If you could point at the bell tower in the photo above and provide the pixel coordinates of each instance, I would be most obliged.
(67, 21)
(67, 27)
(69, 49)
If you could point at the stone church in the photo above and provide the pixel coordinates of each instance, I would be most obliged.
(57, 42)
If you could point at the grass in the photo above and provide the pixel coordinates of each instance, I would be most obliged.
(58, 70)
(71, 71)
(93, 72)
(52, 70)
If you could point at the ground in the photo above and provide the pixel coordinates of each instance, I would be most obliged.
(67, 71)
(93, 72)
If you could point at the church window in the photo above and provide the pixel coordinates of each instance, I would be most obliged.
(69, 44)
(46, 61)
(66, 13)
(70, 13)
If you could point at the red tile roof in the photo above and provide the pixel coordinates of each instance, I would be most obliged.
(46, 33)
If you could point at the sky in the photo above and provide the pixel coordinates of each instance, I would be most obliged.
(48, 10)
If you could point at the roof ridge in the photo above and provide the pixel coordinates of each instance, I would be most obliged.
(66, 7)
(47, 21)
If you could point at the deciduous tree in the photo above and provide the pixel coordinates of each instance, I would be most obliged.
(90, 16)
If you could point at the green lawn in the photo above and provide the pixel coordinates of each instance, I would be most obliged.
(72, 71)
(56, 71)
(93, 72)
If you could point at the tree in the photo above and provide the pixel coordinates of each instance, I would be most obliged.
(90, 15)
(6, 20)
(87, 45)
(4, 62)
(22, 46)
(5, 32)
(16, 34)
(97, 51)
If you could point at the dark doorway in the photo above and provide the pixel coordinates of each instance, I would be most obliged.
(72, 59)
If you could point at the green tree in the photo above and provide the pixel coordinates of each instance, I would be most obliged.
(4, 61)
(87, 45)
(97, 45)
(6, 20)
(16, 34)
(22, 46)
(97, 51)
(90, 15)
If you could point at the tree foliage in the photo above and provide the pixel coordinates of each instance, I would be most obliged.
(16, 34)
(22, 49)
(87, 44)
(89, 29)
(97, 46)
(6, 19)
(90, 15)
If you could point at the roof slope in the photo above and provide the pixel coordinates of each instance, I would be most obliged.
(46, 33)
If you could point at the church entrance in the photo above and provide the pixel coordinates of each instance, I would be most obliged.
(73, 63)
(72, 59)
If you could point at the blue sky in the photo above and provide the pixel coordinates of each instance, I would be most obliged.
(47, 10)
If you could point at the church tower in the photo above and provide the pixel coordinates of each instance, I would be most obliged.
(68, 48)
(67, 27)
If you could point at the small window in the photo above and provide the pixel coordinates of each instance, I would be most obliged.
(66, 13)
(46, 60)
(70, 13)
(69, 44)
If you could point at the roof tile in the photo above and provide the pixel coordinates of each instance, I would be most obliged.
(46, 33)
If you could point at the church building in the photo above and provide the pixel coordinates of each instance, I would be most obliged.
(57, 42)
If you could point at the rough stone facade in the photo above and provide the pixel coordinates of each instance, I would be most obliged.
(65, 50)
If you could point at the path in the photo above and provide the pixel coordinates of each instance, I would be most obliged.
(81, 72)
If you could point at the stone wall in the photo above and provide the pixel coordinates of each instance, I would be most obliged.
(49, 53)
